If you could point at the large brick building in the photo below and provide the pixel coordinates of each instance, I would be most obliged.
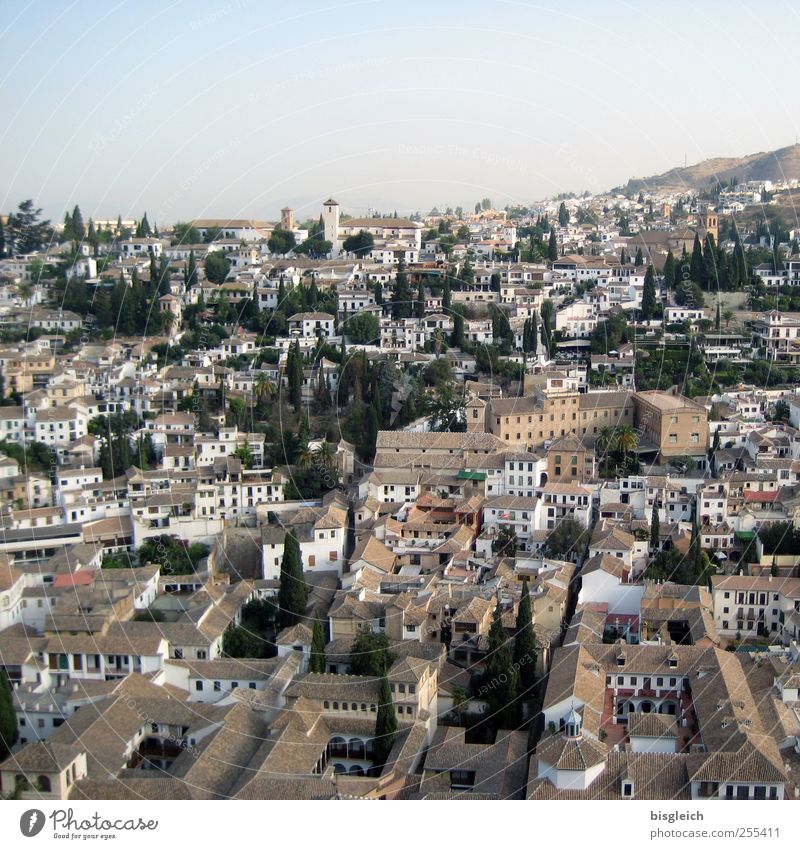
(668, 424)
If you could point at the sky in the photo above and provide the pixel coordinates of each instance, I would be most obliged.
(237, 108)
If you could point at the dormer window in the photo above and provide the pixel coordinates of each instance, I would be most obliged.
(620, 660)
(627, 789)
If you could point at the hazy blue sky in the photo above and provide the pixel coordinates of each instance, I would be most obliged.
(238, 107)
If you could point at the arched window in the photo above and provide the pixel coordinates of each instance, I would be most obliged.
(44, 783)
(338, 746)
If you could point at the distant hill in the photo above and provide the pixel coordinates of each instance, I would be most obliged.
(775, 165)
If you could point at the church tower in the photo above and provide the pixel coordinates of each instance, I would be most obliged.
(708, 222)
(330, 218)
(287, 218)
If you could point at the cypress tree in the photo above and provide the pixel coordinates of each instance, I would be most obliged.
(709, 262)
(78, 230)
(655, 530)
(317, 659)
(552, 247)
(401, 297)
(525, 643)
(457, 338)
(501, 674)
(696, 264)
(8, 717)
(639, 257)
(669, 271)
(622, 258)
(649, 293)
(92, 237)
(295, 376)
(163, 277)
(293, 592)
(446, 294)
(717, 318)
(385, 724)
(420, 301)
(143, 230)
(191, 271)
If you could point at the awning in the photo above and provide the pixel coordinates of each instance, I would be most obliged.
(745, 536)
(471, 476)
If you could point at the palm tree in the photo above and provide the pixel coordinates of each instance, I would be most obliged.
(305, 458)
(264, 388)
(625, 440)
(727, 316)
(325, 453)
(605, 438)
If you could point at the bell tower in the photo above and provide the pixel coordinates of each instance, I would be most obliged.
(287, 218)
(709, 221)
(330, 218)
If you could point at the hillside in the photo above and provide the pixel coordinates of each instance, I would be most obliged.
(775, 165)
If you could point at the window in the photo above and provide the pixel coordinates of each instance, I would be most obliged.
(627, 789)
(217, 687)
(312, 560)
(198, 685)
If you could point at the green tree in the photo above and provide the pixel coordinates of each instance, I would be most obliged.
(143, 228)
(363, 328)
(525, 643)
(655, 531)
(567, 540)
(8, 717)
(552, 247)
(191, 270)
(669, 271)
(649, 294)
(401, 296)
(281, 241)
(317, 659)
(501, 677)
(293, 592)
(370, 654)
(420, 305)
(696, 266)
(563, 215)
(639, 257)
(505, 543)
(26, 232)
(185, 233)
(385, 724)
(457, 336)
(216, 267)
(294, 373)
(78, 228)
(360, 243)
